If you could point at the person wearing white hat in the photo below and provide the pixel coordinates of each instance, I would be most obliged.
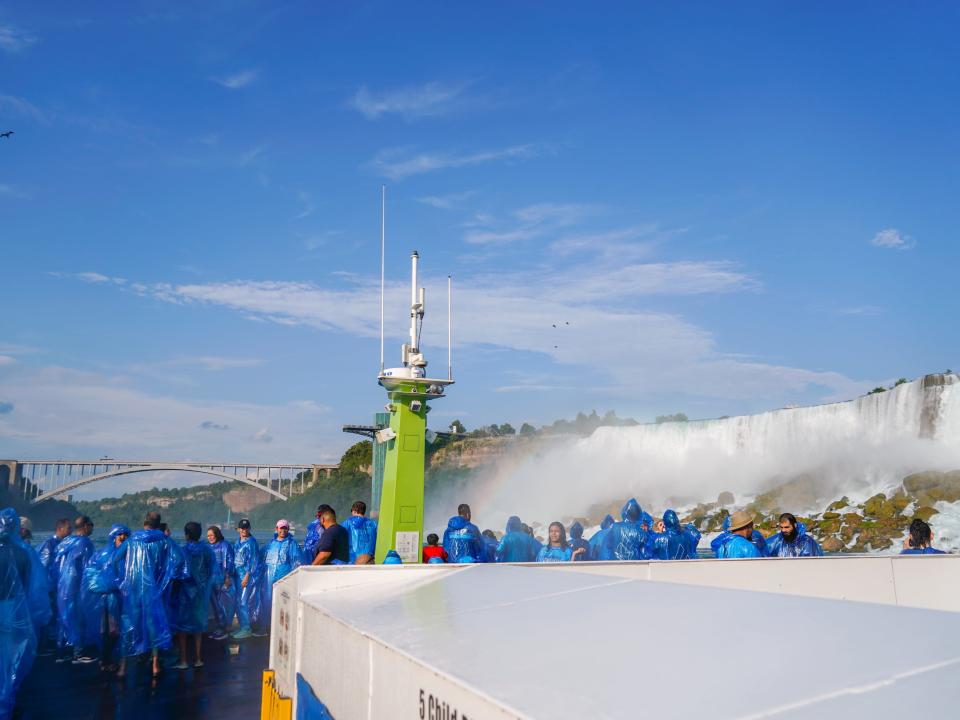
(281, 556)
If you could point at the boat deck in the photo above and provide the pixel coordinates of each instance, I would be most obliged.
(228, 686)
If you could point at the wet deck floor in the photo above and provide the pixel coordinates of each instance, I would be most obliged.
(227, 687)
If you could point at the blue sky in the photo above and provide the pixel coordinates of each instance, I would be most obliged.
(736, 207)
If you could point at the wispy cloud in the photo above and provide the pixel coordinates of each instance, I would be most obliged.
(18, 107)
(307, 205)
(893, 238)
(453, 201)
(211, 425)
(12, 191)
(13, 40)
(262, 435)
(531, 222)
(399, 163)
(250, 155)
(860, 310)
(7, 360)
(215, 363)
(237, 80)
(413, 101)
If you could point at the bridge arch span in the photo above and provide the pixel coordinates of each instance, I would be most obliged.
(63, 489)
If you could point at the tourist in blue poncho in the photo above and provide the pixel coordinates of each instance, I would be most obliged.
(18, 639)
(674, 542)
(738, 546)
(246, 558)
(223, 596)
(312, 538)
(73, 552)
(48, 555)
(191, 593)
(627, 540)
(577, 542)
(462, 538)
(756, 538)
(596, 542)
(920, 540)
(792, 540)
(100, 598)
(557, 549)
(515, 545)
(146, 565)
(281, 556)
(363, 534)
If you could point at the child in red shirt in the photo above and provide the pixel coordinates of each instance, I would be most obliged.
(432, 550)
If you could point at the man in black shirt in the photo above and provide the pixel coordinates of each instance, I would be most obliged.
(334, 543)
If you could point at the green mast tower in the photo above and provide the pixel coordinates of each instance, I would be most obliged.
(400, 523)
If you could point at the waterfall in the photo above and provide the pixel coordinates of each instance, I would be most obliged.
(855, 448)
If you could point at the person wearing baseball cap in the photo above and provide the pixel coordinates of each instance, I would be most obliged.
(246, 553)
(739, 545)
(281, 556)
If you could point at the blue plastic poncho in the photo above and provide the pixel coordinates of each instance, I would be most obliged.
(311, 540)
(802, 545)
(515, 545)
(191, 588)
(280, 558)
(100, 598)
(554, 554)
(489, 548)
(223, 595)
(922, 551)
(246, 559)
(434, 561)
(18, 639)
(757, 539)
(577, 541)
(596, 542)
(693, 539)
(73, 552)
(392, 558)
(674, 543)
(363, 536)
(48, 555)
(38, 596)
(146, 565)
(462, 538)
(737, 547)
(627, 540)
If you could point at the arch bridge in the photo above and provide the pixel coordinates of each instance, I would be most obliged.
(39, 480)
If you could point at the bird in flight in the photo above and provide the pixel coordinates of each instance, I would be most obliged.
(6, 134)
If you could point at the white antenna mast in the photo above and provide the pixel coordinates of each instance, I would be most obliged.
(383, 244)
(449, 328)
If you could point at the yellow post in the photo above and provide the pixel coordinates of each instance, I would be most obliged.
(266, 696)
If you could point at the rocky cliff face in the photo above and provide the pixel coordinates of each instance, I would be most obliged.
(242, 500)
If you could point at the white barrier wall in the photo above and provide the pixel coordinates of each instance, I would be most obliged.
(472, 641)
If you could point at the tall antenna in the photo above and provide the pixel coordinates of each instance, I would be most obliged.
(449, 328)
(383, 245)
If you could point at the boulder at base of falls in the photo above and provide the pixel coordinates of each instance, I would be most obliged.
(725, 498)
(832, 544)
(925, 513)
(931, 486)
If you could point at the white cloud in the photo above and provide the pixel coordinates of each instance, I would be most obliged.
(409, 102)
(252, 154)
(13, 40)
(214, 363)
(92, 277)
(7, 360)
(447, 202)
(13, 106)
(534, 221)
(399, 163)
(12, 191)
(262, 435)
(893, 238)
(238, 80)
(76, 414)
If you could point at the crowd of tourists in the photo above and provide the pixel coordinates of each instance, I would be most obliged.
(145, 591)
